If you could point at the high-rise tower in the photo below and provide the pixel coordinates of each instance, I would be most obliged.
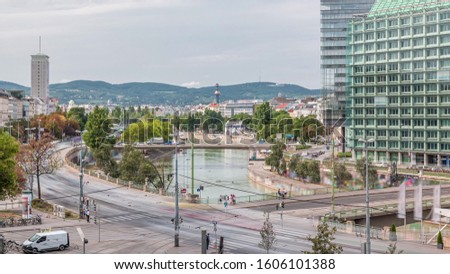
(217, 93)
(39, 75)
(334, 18)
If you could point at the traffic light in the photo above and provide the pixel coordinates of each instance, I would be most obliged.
(282, 204)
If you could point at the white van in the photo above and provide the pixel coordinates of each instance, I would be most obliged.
(47, 241)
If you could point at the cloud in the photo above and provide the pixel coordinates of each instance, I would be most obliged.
(26, 8)
(193, 84)
(211, 58)
(63, 81)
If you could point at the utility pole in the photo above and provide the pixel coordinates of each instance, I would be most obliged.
(366, 148)
(332, 176)
(192, 162)
(81, 183)
(177, 216)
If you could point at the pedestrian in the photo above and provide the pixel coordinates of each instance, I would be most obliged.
(87, 215)
(207, 241)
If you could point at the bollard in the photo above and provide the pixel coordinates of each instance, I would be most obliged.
(203, 241)
(221, 245)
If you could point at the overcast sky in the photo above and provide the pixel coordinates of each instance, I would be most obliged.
(183, 42)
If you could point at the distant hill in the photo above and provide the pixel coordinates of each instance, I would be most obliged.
(83, 91)
(12, 86)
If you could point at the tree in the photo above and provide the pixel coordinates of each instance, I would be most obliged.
(274, 159)
(263, 117)
(308, 169)
(440, 241)
(322, 243)
(134, 167)
(78, 114)
(341, 173)
(8, 176)
(105, 161)
(39, 158)
(98, 128)
(212, 120)
(314, 170)
(361, 168)
(294, 162)
(131, 160)
(268, 235)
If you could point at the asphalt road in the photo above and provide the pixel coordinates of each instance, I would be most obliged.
(297, 203)
(135, 216)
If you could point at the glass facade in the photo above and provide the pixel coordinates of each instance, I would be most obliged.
(335, 16)
(399, 84)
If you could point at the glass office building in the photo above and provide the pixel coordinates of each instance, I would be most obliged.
(399, 82)
(335, 16)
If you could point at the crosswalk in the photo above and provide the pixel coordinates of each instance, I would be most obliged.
(125, 218)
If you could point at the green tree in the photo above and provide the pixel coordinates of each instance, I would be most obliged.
(147, 171)
(308, 169)
(314, 170)
(341, 173)
(78, 114)
(8, 176)
(212, 120)
(274, 159)
(134, 167)
(361, 168)
(323, 243)
(263, 118)
(131, 160)
(117, 112)
(98, 128)
(268, 235)
(105, 161)
(294, 162)
(439, 240)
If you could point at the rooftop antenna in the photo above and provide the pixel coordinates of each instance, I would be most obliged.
(40, 45)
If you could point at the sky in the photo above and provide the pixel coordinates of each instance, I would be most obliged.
(193, 43)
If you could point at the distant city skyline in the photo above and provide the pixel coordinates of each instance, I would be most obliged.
(193, 43)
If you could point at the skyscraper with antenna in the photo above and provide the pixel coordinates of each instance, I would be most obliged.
(40, 75)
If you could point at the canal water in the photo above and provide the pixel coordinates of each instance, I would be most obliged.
(217, 172)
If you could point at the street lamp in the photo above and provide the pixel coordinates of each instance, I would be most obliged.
(81, 175)
(177, 214)
(366, 143)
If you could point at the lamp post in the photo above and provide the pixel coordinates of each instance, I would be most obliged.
(366, 143)
(177, 214)
(81, 176)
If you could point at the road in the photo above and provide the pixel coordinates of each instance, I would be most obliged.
(357, 198)
(131, 219)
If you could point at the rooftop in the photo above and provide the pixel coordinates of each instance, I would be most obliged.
(385, 7)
